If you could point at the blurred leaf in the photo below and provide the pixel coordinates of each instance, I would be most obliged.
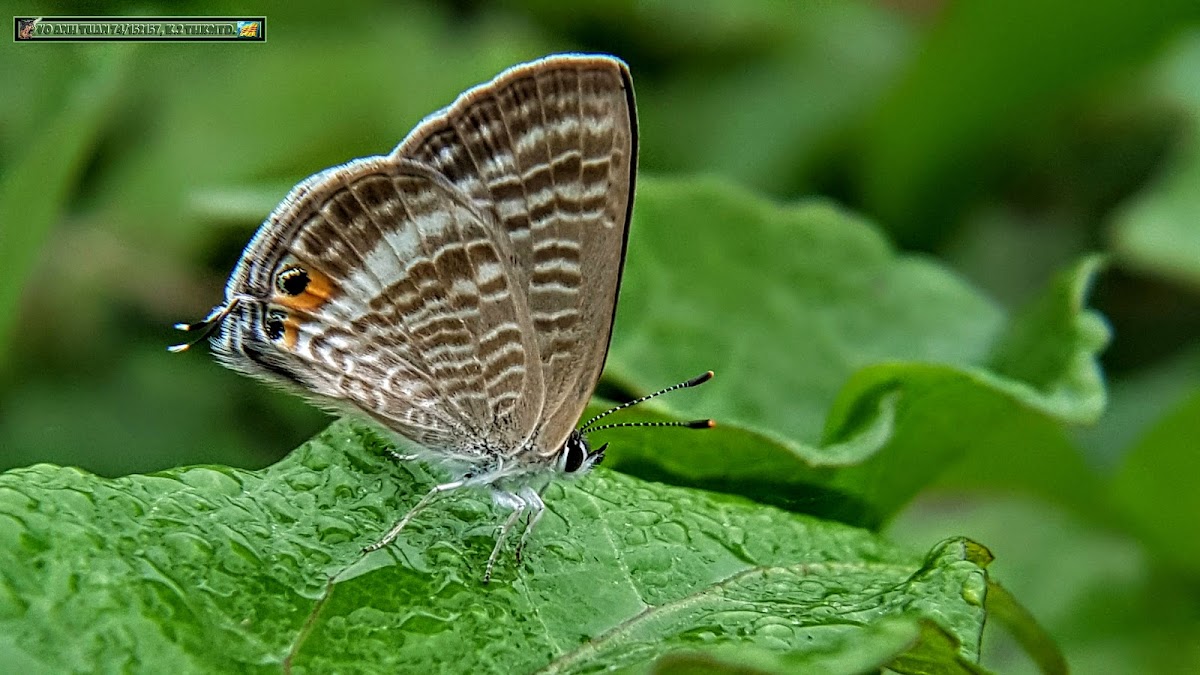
(939, 136)
(1156, 485)
(113, 421)
(1159, 231)
(770, 118)
(1051, 348)
(329, 100)
(1045, 360)
(697, 29)
(1003, 607)
(210, 569)
(859, 375)
(783, 302)
(37, 185)
(1137, 401)
(1094, 589)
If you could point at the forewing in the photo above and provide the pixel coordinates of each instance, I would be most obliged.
(410, 313)
(550, 148)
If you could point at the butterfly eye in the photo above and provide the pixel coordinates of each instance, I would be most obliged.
(274, 325)
(575, 452)
(292, 281)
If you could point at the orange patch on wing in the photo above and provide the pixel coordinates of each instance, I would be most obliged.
(319, 290)
(291, 332)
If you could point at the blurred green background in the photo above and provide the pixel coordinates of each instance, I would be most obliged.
(1004, 139)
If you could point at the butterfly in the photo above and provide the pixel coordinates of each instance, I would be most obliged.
(461, 290)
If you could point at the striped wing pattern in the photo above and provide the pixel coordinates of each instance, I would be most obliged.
(418, 324)
(550, 148)
(460, 290)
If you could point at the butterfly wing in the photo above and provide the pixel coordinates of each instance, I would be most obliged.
(550, 148)
(377, 284)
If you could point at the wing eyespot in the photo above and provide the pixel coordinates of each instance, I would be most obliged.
(274, 325)
(292, 281)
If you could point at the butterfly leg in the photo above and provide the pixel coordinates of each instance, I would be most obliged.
(400, 457)
(518, 506)
(429, 497)
(536, 508)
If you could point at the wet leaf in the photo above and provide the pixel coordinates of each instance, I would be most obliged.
(210, 569)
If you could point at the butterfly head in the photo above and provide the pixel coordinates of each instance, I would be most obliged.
(577, 456)
(243, 333)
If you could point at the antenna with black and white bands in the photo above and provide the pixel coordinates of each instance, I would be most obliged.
(588, 427)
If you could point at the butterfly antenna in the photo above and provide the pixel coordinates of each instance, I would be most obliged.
(695, 424)
(205, 326)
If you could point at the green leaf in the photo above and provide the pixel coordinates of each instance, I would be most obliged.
(1156, 485)
(1050, 349)
(1157, 231)
(209, 569)
(941, 133)
(916, 647)
(928, 656)
(1106, 601)
(143, 402)
(850, 376)
(769, 114)
(1137, 401)
(36, 187)
(1003, 607)
(863, 649)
